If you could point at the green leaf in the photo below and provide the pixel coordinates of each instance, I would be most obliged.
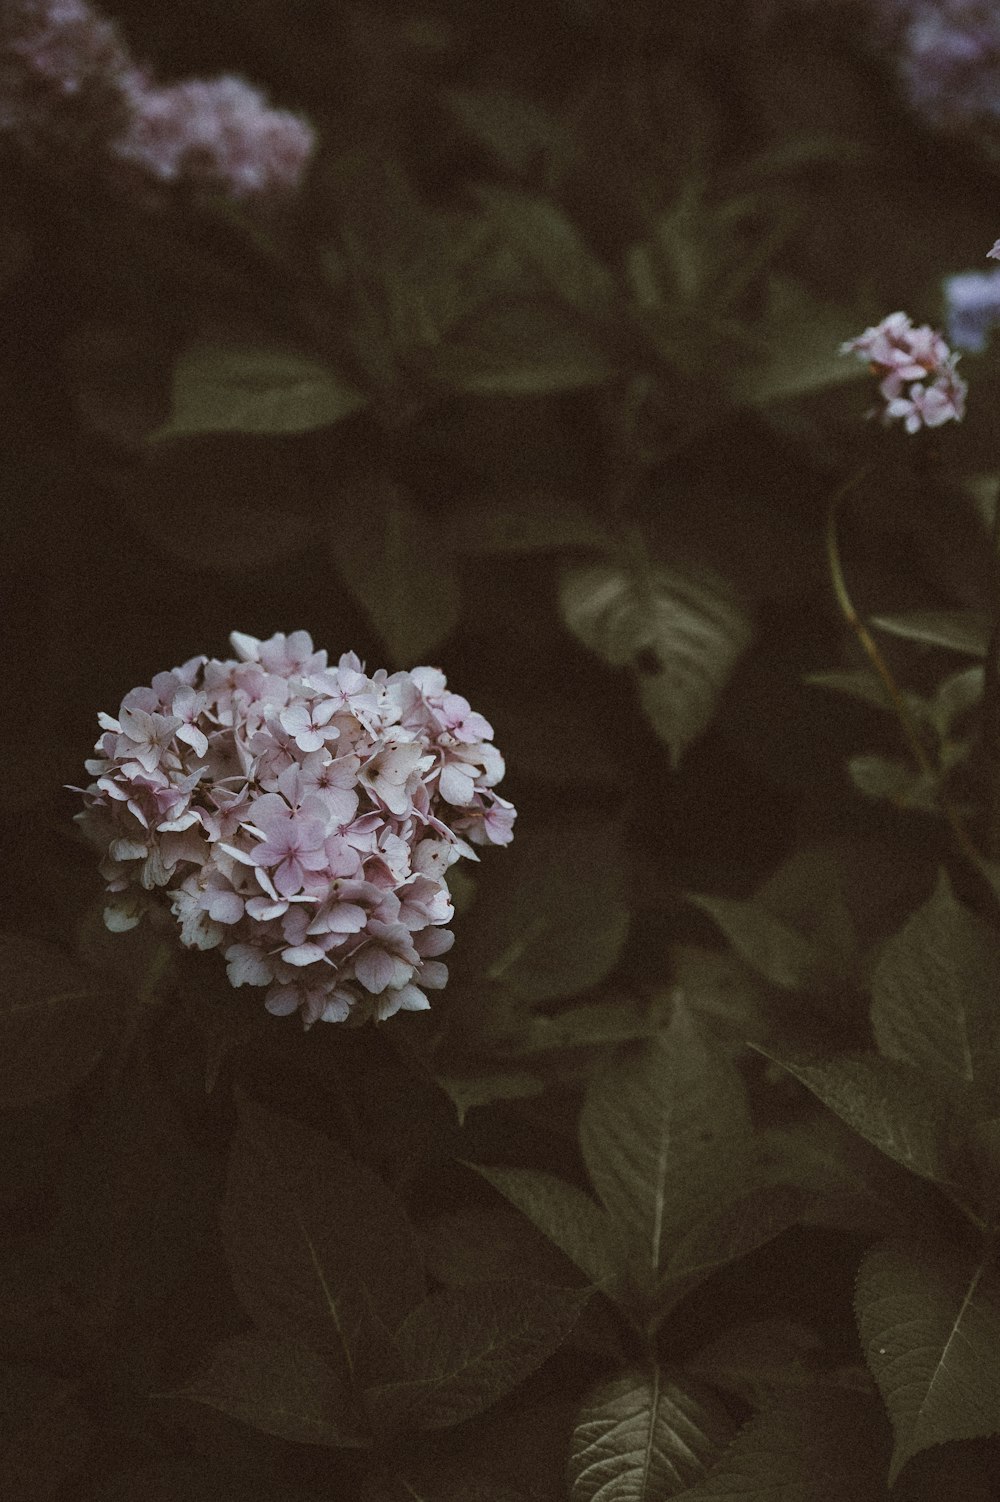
(826, 1446)
(314, 1240)
(282, 1388)
(857, 683)
(530, 523)
(386, 552)
(643, 1437)
(662, 1131)
(769, 946)
(935, 992)
(218, 389)
(547, 242)
(463, 1349)
(929, 1321)
(958, 630)
(759, 1359)
(896, 781)
(726, 1235)
(56, 1020)
(508, 125)
(566, 1215)
(557, 911)
(521, 349)
(887, 1103)
(466, 1091)
(473, 1243)
(801, 340)
(681, 630)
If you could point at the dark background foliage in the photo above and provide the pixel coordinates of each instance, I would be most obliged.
(556, 309)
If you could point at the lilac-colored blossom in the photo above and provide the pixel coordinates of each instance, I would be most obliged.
(299, 817)
(917, 382)
(972, 308)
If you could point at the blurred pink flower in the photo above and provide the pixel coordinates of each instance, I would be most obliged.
(903, 358)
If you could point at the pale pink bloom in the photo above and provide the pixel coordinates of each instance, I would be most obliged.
(904, 357)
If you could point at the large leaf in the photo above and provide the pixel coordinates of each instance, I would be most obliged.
(663, 1131)
(823, 1446)
(463, 1349)
(936, 992)
(468, 1090)
(517, 348)
(282, 1388)
(889, 1104)
(525, 523)
(218, 389)
(771, 947)
(929, 1320)
(801, 339)
(958, 630)
(679, 629)
(726, 1235)
(510, 126)
(314, 1240)
(548, 243)
(56, 1020)
(388, 555)
(473, 1243)
(759, 1359)
(643, 1437)
(566, 1215)
(554, 918)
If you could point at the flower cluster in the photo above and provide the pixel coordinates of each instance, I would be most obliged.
(69, 84)
(948, 57)
(300, 816)
(905, 359)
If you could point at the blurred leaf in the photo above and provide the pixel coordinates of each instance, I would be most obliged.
(643, 1437)
(769, 946)
(463, 1349)
(801, 355)
(218, 389)
(958, 630)
(315, 1240)
(935, 992)
(469, 1090)
(569, 1218)
(475, 1242)
(56, 1020)
(546, 241)
(530, 523)
(805, 1447)
(930, 1326)
(512, 128)
(662, 1131)
(281, 1388)
(593, 1025)
(557, 913)
(897, 781)
(45, 1447)
(889, 1104)
(858, 683)
(388, 555)
(521, 349)
(680, 630)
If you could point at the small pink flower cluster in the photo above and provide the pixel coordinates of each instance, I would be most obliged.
(905, 359)
(294, 814)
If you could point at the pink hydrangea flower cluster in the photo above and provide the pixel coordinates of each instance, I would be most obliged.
(906, 359)
(68, 84)
(299, 816)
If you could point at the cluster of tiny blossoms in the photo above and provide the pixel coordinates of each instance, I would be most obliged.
(916, 369)
(70, 89)
(299, 816)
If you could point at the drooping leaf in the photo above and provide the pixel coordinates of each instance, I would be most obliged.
(663, 1131)
(773, 948)
(825, 1446)
(856, 683)
(57, 1017)
(726, 1235)
(888, 1103)
(315, 1241)
(282, 1388)
(388, 555)
(463, 1349)
(530, 523)
(935, 992)
(567, 1216)
(519, 348)
(643, 1437)
(218, 389)
(958, 630)
(895, 780)
(929, 1320)
(548, 243)
(558, 918)
(801, 339)
(680, 630)
(468, 1090)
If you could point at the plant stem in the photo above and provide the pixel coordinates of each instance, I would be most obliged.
(896, 698)
(990, 713)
